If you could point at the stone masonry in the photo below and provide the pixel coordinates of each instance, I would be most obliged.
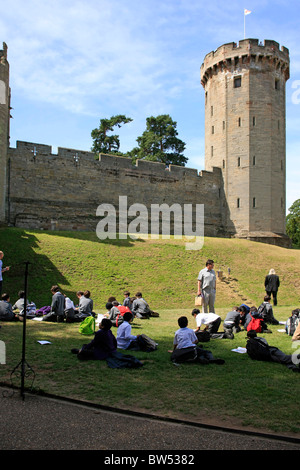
(242, 187)
(245, 132)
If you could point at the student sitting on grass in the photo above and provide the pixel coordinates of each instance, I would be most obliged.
(125, 339)
(185, 349)
(85, 308)
(6, 311)
(103, 344)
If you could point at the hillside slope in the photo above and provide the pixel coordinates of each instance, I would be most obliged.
(163, 270)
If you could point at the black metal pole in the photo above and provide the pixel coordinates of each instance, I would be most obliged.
(23, 361)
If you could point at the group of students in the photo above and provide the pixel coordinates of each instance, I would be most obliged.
(137, 305)
(62, 308)
(238, 319)
(186, 347)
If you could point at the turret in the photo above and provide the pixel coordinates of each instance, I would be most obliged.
(245, 131)
(4, 128)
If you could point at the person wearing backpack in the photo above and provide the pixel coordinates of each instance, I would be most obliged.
(266, 311)
(254, 321)
(258, 349)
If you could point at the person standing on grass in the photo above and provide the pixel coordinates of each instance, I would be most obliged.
(2, 270)
(272, 284)
(207, 287)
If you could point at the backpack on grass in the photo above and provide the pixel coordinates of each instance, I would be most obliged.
(147, 344)
(87, 326)
(292, 322)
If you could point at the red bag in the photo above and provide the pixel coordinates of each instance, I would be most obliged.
(255, 324)
(122, 309)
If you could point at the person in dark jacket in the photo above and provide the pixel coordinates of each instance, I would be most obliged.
(272, 284)
(102, 346)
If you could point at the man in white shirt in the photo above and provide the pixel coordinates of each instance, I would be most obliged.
(207, 286)
(211, 321)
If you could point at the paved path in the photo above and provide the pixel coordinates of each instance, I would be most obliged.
(41, 423)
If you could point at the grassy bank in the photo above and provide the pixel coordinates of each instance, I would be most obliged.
(241, 392)
(163, 270)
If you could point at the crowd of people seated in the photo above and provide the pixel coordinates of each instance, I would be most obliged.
(253, 320)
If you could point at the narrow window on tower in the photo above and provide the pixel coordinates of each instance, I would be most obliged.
(206, 94)
(237, 82)
(277, 83)
(223, 163)
(254, 161)
(254, 121)
(212, 151)
(224, 125)
(211, 110)
(240, 122)
(212, 129)
(238, 203)
(239, 161)
(254, 202)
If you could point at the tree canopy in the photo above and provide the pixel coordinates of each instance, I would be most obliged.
(293, 223)
(158, 143)
(104, 143)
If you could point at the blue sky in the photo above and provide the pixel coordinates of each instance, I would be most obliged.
(75, 62)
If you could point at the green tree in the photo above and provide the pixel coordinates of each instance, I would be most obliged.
(104, 143)
(293, 223)
(159, 142)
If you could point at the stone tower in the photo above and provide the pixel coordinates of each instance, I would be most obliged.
(4, 127)
(245, 125)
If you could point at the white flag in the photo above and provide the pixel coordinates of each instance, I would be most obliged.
(247, 12)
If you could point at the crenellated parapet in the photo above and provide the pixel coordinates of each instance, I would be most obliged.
(247, 53)
(33, 151)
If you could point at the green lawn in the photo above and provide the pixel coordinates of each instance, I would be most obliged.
(240, 392)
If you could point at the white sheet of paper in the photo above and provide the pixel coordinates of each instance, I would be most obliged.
(44, 342)
(240, 350)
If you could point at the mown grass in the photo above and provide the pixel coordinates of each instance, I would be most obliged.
(241, 392)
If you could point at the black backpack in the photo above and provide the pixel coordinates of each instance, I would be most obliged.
(292, 322)
(258, 350)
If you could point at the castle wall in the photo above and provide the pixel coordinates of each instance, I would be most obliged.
(62, 191)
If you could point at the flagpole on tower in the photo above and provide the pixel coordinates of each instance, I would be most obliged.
(246, 12)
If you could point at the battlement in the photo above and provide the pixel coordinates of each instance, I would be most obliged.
(3, 52)
(34, 151)
(247, 52)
